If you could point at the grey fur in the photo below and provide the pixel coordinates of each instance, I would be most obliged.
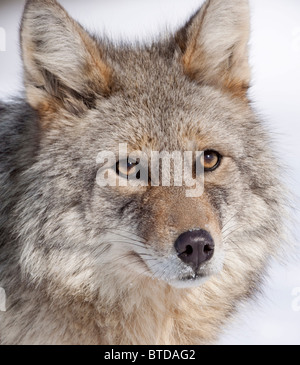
(73, 256)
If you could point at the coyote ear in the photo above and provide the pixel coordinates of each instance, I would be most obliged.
(215, 45)
(63, 64)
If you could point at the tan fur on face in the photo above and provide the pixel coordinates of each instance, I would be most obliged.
(216, 52)
(173, 214)
(65, 72)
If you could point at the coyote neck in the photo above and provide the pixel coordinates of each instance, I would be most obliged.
(151, 313)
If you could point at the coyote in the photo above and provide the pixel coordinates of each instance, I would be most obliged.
(84, 263)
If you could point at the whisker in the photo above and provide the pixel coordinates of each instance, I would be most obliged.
(230, 219)
(234, 230)
(147, 255)
(129, 242)
(233, 243)
(127, 237)
(155, 273)
(234, 215)
(165, 269)
(104, 249)
(131, 263)
(140, 239)
(126, 255)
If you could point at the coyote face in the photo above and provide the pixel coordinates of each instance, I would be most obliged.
(122, 248)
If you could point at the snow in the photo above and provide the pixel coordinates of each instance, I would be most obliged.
(274, 318)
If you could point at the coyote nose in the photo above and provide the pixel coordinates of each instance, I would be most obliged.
(195, 247)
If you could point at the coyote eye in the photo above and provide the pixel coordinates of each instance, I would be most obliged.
(126, 169)
(211, 160)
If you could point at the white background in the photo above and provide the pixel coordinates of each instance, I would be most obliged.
(275, 61)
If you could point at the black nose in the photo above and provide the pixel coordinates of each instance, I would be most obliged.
(195, 247)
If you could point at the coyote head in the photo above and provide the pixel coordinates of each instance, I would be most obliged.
(186, 92)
